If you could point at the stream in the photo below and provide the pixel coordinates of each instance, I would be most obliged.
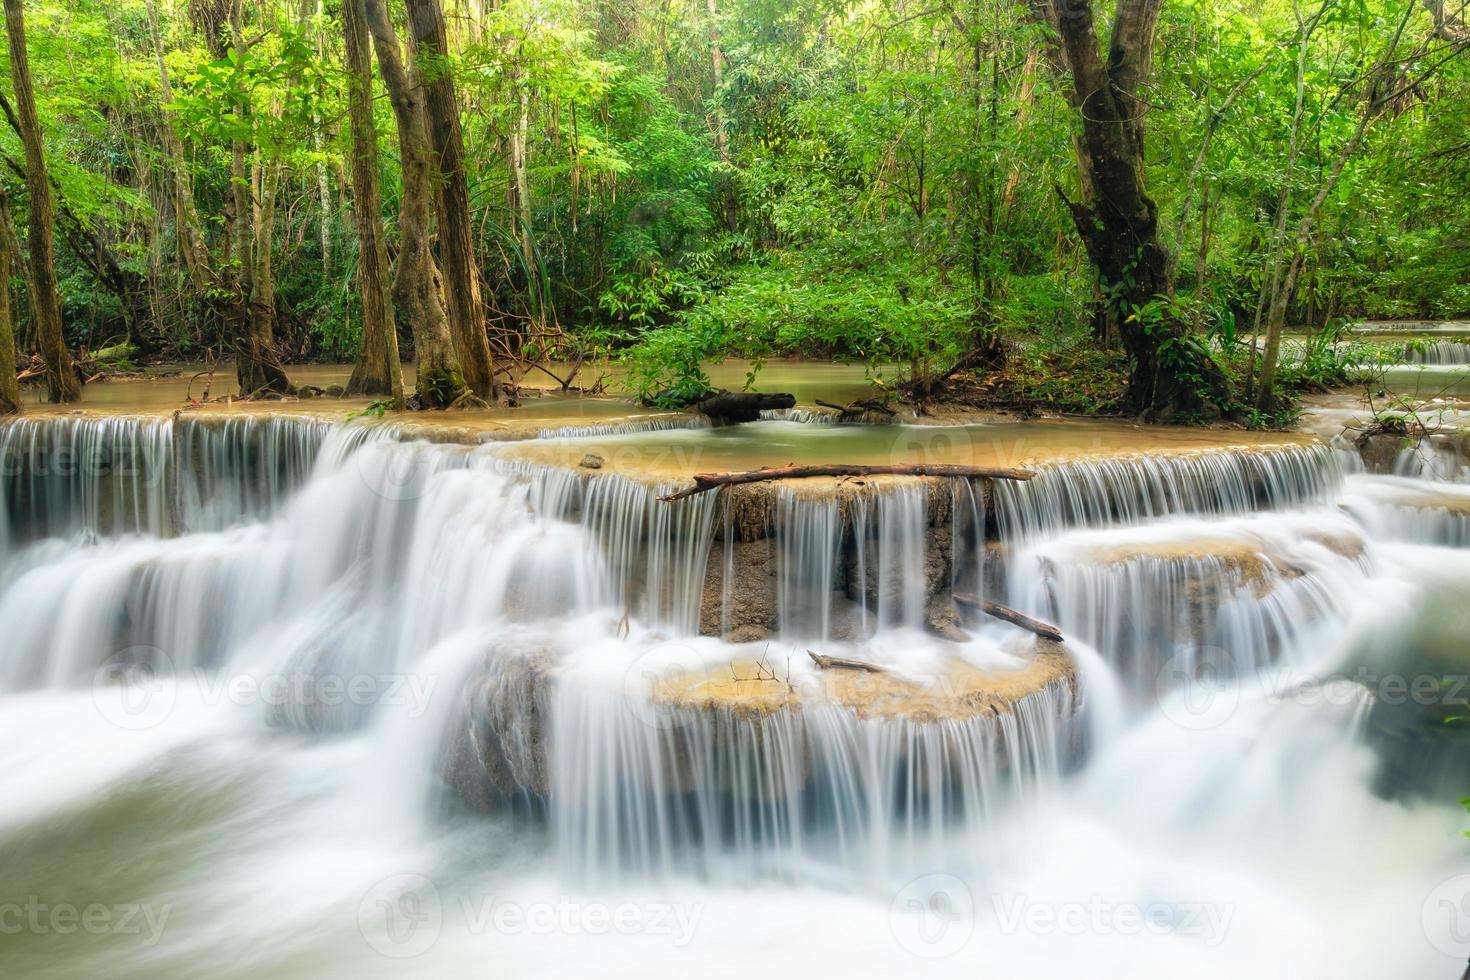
(286, 697)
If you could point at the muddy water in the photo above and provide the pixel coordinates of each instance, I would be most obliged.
(171, 386)
(544, 407)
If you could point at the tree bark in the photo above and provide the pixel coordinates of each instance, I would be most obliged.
(1284, 285)
(1009, 615)
(252, 314)
(456, 234)
(722, 138)
(10, 403)
(187, 228)
(521, 193)
(416, 283)
(61, 377)
(377, 371)
(323, 185)
(704, 482)
(1170, 370)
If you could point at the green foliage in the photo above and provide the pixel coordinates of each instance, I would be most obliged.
(869, 182)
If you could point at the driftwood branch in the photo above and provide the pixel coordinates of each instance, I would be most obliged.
(859, 408)
(1009, 615)
(842, 663)
(710, 481)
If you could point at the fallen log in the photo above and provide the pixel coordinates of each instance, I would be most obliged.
(742, 406)
(1009, 615)
(842, 663)
(704, 482)
(859, 408)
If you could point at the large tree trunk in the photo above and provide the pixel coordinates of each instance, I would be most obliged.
(187, 227)
(722, 138)
(1380, 79)
(268, 374)
(377, 371)
(9, 386)
(416, 283)
(521, 197)
(323, 185)
(1170, 370)
(456, 234)
(61, 377)
(252, 315)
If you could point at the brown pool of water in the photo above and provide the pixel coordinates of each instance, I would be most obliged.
(167, 388)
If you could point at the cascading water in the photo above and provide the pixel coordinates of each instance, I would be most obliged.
(1439, 352)
(306, 672)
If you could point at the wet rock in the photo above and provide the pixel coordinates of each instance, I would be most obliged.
(1380, 450)
(591, 461)
(748, 609)
(943, 619)
(495, 751)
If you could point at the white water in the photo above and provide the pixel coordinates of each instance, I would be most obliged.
(170, 737)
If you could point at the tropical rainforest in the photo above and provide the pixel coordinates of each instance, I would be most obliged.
(1123, 206)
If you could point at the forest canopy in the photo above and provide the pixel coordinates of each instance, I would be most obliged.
(923, 186)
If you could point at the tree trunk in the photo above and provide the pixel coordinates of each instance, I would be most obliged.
(416, 283)
(456, 234)
(61, 377)
(1375, 102)
(377, 371)
(722, 138)
(521, 193)
(10, 403)
(187, 233)
(323, 185)
(252, 314)
(266, 373)
(1170, 370)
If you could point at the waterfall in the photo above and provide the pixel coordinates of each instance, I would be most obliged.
(1131, 490)
(106, 476)
(1165, 601)
(775, 792)
(355, 653)
(63, 477)
(1439, 352)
